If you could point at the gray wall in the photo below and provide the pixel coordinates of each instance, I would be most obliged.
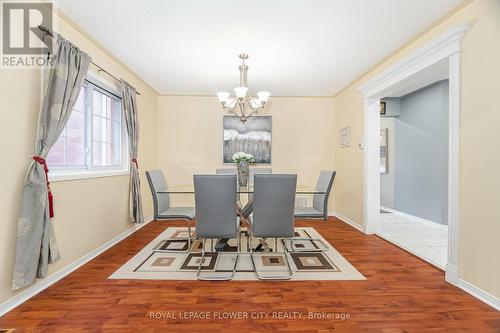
(421, 154)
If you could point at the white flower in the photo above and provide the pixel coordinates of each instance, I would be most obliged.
(243, 157)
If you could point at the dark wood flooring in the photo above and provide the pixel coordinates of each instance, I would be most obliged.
(401, 294)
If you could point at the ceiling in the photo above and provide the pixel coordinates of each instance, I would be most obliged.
(296, 47)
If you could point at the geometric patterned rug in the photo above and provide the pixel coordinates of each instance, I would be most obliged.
(152, 263)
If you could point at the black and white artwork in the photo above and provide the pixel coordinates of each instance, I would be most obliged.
(251, 137)
(384, 153)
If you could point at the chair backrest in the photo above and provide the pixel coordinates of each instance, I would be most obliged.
(324, 184)
(215, 205)
(226, 171)
(229, 171)
(255, 171)
(273, 205)
(157, 183)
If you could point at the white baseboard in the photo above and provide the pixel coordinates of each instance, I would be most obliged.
(348, 221)
(451, 275)
(415, 218)
(480, 294)
(53, 278)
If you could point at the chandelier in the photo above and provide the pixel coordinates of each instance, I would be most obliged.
(243, 105)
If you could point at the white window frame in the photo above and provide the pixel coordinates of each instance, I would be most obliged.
(65, 173)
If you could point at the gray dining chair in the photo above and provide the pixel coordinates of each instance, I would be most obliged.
(229, 171)
(161, 204)
(253, 172)
(216, 218)
(273, 204)
(226, 171)
(319, 207)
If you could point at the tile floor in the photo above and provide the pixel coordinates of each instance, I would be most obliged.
(426, 240)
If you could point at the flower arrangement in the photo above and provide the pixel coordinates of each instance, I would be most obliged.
(243, 157)
(242, 161)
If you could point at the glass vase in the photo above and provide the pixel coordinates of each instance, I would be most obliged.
(243, 171)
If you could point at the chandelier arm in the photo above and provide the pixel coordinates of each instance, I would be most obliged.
(248, 99)
(225, 107)
(252, 113)
(253, 109)
(231, 110)
(242, 108)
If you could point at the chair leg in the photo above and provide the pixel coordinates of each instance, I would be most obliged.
(272, 277)
(189, 235)
(293, 249)
(189, 240)
(200, 276)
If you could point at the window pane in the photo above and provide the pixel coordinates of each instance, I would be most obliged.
(107, 131)
(99, 154)
(115, 110)
(56, 154)
(80, 102)
(75, 128)
(106, 154)
(99, 129)
(113, 154)
(99, 108)
(113, 132)
(109, 105)
(75, 151)
(69, 149)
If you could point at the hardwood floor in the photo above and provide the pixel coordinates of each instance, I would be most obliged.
(401, 294)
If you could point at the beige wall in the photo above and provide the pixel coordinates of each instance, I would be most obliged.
(349, 160)
(190, 137)
(183, 136)
(480, 161)
(88, 212)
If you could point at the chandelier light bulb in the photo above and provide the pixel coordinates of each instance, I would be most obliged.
(241, 92)
(263, 96)
(223, 96)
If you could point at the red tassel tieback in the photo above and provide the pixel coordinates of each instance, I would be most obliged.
(135, 161)
(42, 161)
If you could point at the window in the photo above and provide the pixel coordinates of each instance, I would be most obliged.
(93, 141)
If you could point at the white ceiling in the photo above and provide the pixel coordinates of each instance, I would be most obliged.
(296, 47)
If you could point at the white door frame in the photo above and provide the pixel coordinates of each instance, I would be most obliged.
(447, 46)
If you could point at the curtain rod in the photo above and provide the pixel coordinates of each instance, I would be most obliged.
(99, 68)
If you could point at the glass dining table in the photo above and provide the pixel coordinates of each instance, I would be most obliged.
(247, 208)
(240, 190)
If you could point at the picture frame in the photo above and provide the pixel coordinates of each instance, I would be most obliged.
(384, 151)
(383, 108)
(345, 137)
(252, 137)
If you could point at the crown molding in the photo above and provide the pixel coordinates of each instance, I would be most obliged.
(434, 51)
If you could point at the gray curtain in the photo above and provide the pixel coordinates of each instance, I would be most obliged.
(36, 245)
(129, 106)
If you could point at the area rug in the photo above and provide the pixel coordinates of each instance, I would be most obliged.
(153, 263)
